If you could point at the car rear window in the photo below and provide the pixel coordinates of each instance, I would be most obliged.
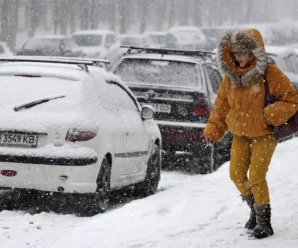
(158, 72)
(87, 39)
(17, 90)
(40, 44)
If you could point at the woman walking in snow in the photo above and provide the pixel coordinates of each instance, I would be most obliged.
(239, 108)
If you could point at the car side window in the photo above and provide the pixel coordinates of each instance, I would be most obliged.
(110, 40)
(214, 76)
(124, 98)
(289, 64)
(1, 49)
(218, 76)
(294, 62)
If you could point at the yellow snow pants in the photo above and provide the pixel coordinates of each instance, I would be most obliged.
(253, 155)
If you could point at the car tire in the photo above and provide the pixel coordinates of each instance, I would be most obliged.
(99, 201)
(7, 202)
(102, 195)
(150, 184)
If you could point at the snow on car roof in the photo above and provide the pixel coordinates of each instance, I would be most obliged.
(129, 35)
(58, 37)
(155, 33)
(278, 50)
(93, 31)
(63, 71)
(179, 28)
(180, 58)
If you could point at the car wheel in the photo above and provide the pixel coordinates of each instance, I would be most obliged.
(97, 202)
(150, 184)
(6, 200)
(102, 195)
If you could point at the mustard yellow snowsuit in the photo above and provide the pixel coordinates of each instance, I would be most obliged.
(239, 108)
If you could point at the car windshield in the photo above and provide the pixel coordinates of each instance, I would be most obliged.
(87, 39)
(159, 39)
(158, 72)
(131, 41)
(42, 43)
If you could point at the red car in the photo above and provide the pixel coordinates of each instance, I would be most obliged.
(181, 86)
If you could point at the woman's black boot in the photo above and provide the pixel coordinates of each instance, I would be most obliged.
(252, 222)
(263, 228)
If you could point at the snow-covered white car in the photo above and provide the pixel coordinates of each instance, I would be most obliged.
(130, 39)
(98, 44)
(5, 50)
(50, 45)
(286, 59)
(189, 37)
(67, 126)
(159, 39)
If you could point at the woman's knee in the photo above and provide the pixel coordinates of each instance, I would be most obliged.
(238, 176)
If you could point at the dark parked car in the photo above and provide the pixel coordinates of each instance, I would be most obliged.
(55, 45)
(181, 86)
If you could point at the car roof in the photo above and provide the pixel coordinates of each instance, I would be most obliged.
(129, 35)
(155, 33)
(58, 37)
(178, 28)
(65, 71)
(180, 58)
(278, 50)
(93, 31)
(56, 70)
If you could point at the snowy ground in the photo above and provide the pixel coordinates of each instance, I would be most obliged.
(188, 211)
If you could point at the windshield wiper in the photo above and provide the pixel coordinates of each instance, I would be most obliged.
(32, 104)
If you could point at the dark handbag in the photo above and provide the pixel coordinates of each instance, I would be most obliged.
(287, 129)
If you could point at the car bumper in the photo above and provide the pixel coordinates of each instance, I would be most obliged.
(181, 136)
(51, 177)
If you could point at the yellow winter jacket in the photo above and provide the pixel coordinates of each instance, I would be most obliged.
(239, 106)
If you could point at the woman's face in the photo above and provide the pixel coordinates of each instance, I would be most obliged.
(243, 57)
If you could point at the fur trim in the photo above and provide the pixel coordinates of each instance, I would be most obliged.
(250, 43)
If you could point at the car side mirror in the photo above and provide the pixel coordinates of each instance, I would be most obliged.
(147, 112)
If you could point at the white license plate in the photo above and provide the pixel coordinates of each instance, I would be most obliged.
(161, 108)
(18, 139)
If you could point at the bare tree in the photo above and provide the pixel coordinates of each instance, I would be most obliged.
(94, 5)
(196, 13)
(9, 21)
(35, 7)
(123, 16)
(144, 10)
(172, 13)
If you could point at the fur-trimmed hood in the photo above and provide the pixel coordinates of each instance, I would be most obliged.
(252, 40)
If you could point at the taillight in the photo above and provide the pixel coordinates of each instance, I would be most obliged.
(200, 111)
(8, 173)
(74, 135)
(202, 106)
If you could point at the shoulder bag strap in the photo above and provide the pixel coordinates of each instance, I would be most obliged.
(269, 99)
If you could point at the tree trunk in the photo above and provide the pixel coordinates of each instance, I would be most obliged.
(9, 22)
(172, 13)
(62, 17)
(35, 17)
(72, 13)
(94, 14)
(122, 16)
(144, 15)
(196, 13)
(84, 15)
